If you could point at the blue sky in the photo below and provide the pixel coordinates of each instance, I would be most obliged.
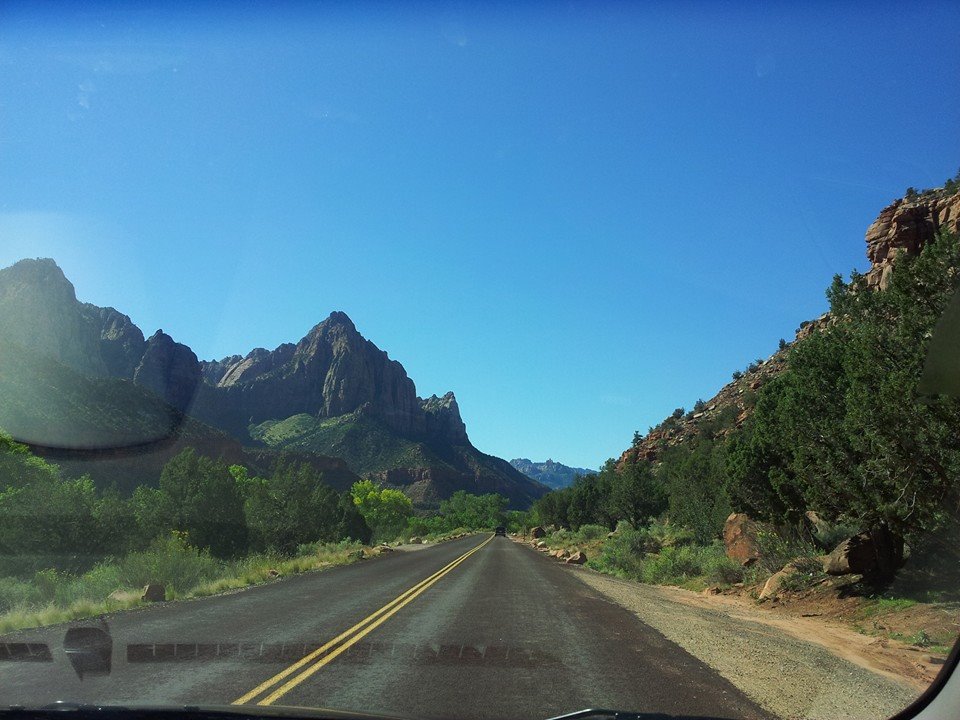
(576, 216)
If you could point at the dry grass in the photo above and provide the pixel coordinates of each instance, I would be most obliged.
(254, 570)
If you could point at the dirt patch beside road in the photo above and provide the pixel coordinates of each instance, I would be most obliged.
(794, 667)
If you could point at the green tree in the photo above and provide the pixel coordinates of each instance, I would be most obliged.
(693, 475)
(476, 512)
(637, 494)
(206, 503)
(46, 521)
(385, 510)
(843, 432)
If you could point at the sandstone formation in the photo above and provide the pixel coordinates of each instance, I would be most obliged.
(906, 225)
(169, 369)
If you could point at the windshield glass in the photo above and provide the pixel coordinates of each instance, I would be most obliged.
(443, 360)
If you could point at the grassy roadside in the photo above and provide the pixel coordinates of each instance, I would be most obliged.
(51, 597)
(661, 555)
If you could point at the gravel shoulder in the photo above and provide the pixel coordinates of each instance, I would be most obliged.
(792, 667)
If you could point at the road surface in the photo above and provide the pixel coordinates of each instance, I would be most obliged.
(481, 627)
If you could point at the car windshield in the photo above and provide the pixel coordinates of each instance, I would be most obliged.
(479, 360)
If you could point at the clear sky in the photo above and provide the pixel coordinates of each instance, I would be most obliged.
(577, 216)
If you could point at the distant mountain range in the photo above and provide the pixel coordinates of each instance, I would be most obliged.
(550, 473)
(79, 376)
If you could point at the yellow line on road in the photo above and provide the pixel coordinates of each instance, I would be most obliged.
(347, 637)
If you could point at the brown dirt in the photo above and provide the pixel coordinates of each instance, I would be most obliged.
(849, 626)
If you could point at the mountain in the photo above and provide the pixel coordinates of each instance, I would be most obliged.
(333, 394)
(336, 393)
(904, 226)
(552, 474)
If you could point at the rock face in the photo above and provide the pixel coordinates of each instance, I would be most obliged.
(39, 310)
(121, 342)
(169, 369)
(331, 372)
(907, 225)
(552, 474)
(442, 419)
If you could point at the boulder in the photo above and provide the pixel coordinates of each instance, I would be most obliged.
(381, 549)
(154, 592)
(415, 540)
(577, 558)
(876, 555)
(273, 573)
(538, 532)
(774, 584)
(541, 544)
(854, 556)
(740, 539)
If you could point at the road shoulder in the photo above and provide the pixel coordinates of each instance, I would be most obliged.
(785, 667)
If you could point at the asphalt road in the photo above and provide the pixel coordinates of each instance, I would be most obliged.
(500, 632)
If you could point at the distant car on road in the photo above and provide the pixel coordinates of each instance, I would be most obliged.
(501, 530)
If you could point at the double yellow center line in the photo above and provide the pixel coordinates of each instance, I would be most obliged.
(329, 651)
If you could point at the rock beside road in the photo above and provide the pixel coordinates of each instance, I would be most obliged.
(740, 539)
(154, 592)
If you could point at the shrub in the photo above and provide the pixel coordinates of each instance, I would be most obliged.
(673, 565)
(720, 569)
(622, 554)
(15, 593)
(777, 550)
(591, 532)
(169, 561)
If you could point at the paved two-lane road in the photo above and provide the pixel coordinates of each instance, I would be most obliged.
(499, 632)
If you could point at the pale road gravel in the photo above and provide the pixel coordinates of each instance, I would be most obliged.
(785, 675)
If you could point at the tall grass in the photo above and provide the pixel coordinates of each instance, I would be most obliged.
(52, 597)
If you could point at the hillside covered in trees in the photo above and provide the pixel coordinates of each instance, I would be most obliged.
(830, 437)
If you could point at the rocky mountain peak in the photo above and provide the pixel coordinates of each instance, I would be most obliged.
(169, 369)
(39, 310)
(443, 419)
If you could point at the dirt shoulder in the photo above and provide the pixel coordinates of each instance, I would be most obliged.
(794, 667)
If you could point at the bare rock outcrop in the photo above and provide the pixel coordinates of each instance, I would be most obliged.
(332, 371)
(906, 225)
